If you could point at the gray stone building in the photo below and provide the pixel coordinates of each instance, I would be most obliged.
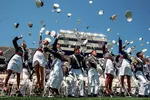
(85, 40)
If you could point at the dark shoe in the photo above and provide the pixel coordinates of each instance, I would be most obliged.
(19, 94)
(81, 96)
(95, 95)
(56, 91)
(89, 95)
(140, 95)
(146, 96)
(52, 90)
(70, 95)
(129, 94)
(122, 94)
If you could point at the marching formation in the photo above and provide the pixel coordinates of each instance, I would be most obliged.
(78, 75)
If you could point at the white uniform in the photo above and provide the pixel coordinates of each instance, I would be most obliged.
(39, 57)
(25, 73)
(109, 67)
(26, 84)
(56, 75)
(69, 80)
(144, 87)
(93, 77)
(125, 68)
(77, 73)
(15, 64)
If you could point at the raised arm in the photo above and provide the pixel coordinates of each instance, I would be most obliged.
(55, 44)
(15, 43)
(41, 31)
(40, 40)
(57, 55)
(120, 45)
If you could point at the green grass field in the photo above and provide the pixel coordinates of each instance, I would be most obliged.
(46, 98)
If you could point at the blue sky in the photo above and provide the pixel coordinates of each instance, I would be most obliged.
(24, 11)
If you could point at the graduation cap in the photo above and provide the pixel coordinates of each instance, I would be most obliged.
(48, 39)
(90, 2)
(85, 42)
(56, 6)
(53, 34)
(113, 17)
(29, 33)
(57, 21)
(133, 47)
(140, 39)
(144, 50)
(75, 30)
(79, 21)
(101, 12)
(47, 32)
(33, 42)
(39, 3)
(30, 24)
(74, 44)
(142, 44)
(69, 14)
(42, 29)
(108, 29)
(42, 21)
(87, 27)
(128, 15)
(42, 3)
(147, 42)
(58, 10)
(16, 25)
(53, 10)
(127, 42)
(129, 50)
(131, 42)
(114, 42)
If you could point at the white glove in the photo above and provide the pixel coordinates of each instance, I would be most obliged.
(26, 63)
(85, 74)
(58, 35)
(20, 37)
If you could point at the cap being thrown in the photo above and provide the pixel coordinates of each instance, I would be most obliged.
(48, 39)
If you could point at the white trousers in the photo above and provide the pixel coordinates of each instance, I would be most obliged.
(70, 82)
(25, 83)
(93, 78)
(56, 76)
(78, 79)
(144, 88)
